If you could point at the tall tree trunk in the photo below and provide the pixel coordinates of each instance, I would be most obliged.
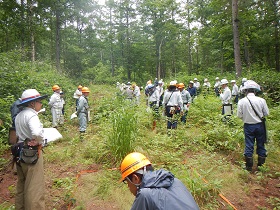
(235, 21)
(31, 28)
(189, 40)
(159, 60)
(246, 54)
(57, 40)
(128, 60)
(22, 35)
(276, 34)
(222, 58)
(111, 45)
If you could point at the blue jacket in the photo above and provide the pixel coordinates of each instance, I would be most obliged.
(192, 91)
(160, 190)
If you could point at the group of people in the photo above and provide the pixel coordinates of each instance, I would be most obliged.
(153, 189)
(30, 190)
(156, 189)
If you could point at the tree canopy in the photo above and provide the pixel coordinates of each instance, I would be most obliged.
(136, 40)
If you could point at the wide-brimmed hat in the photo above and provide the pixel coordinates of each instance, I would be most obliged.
(30, 95)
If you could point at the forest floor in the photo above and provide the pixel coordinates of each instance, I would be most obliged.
(256, 197)
(254, 191)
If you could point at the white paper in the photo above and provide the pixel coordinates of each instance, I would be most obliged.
(73, 115)
(51, 134)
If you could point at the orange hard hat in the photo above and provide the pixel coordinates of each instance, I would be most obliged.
(133, 162)
(181, 85)
(55, 87)
(85, 90)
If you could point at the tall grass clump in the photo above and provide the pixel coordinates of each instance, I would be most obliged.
(123, 132)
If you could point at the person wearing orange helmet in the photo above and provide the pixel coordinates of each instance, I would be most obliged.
(187, 99)
(56, 105)
(154, 189)
(78, 94)
(83, 109)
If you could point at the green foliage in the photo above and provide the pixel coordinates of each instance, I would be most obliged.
(123, 133)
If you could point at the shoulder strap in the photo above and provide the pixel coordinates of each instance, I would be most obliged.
(169, 98)
(254, 109)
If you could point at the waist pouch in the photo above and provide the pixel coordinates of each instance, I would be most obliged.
(15, 149)
(29, 155)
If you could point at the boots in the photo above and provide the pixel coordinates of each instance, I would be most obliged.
(249, 163)
(261, 160)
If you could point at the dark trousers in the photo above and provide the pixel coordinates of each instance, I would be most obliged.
(254, 132)
(171, 120)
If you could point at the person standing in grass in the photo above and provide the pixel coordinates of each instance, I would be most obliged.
(173, 105)
(234, 91)
(225, 96)
(56, 106)
(154, 189)
(78, 94)
(252, 110)
(31, 185)
(136, 93)
(83, 109)
(187, 99)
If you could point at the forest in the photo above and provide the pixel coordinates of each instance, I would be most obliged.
(97, 44)
(134, 40)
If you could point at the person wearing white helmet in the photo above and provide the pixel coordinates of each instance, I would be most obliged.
(29, 129)
(173, 105)
(225, 96)
(252, 110)
(217, 86)
(196, 84)
(234, 91)
(241, 95)
(160, 90)
(192, 90)
(77, 94)
(206, 86)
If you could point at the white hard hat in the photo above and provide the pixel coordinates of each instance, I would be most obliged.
(160, 81)
(195, 79)
(30, 95)
(250, 84)
(224, 81)
(233, 81)
(191, 82)
(173, 83)
(205, 80)
(244, 79)
(217, 78)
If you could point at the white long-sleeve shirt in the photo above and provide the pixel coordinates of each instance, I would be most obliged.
(29, 126)
(154, 97)
(246, 112)
(136, 91)
(234, 91)
(55, 101)
(172, 100)
(225, 96)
